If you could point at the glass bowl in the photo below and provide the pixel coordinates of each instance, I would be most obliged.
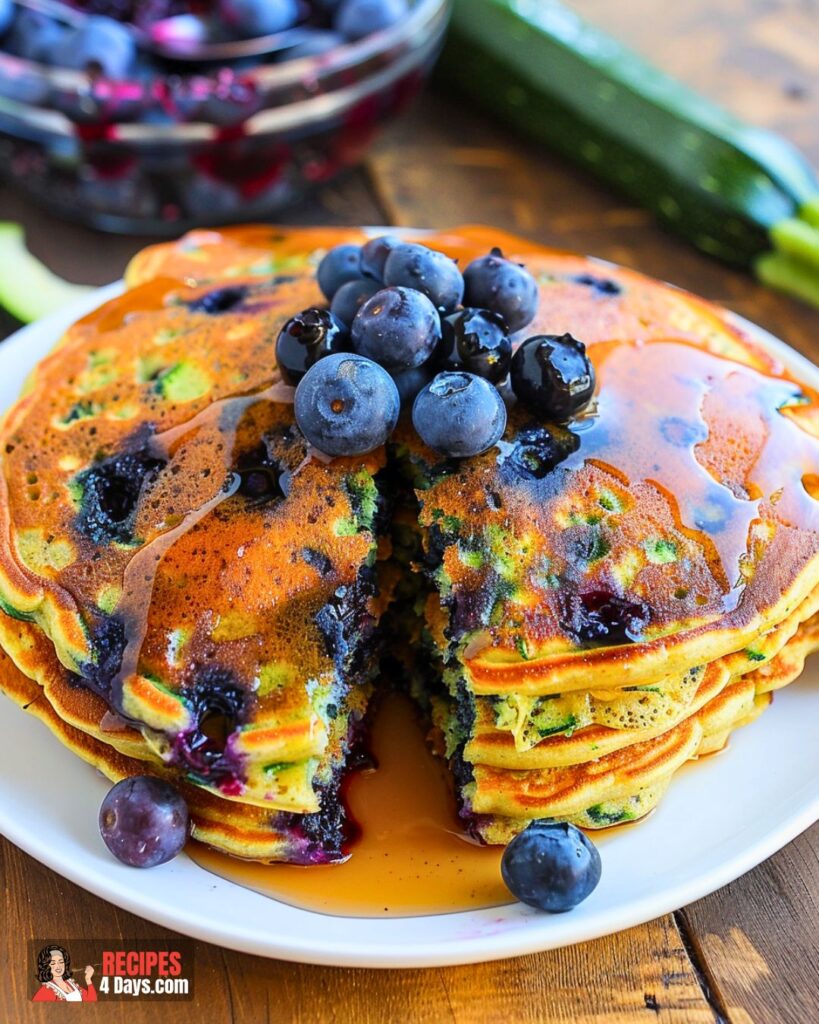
(171, 150)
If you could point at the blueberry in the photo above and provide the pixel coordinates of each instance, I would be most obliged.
(111, 490)
(493, 282)
(398, 328)
(307, 337)
(350, 298)
(553, 376)
(182, 34)
(601, 617)
(409, 382)
(536, 453)
(219, 707)
(261, 480)
(477, 341)
(431, 273)
(220, 300)
(260, 485)
(252, 18)
(551, 866)
(446, 355)
(340, 265)
(100, 46)
(359, 18)
(599, 285)
(6, 14)
(346, 405)
(34, 36)
(459, 414)
(144, 821)
(374, 255)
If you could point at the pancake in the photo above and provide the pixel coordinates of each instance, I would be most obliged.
(186, 555)
(189, 590)
(682, 504)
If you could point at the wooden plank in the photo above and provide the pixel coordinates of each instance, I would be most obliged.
(644, 973)
(760, 936)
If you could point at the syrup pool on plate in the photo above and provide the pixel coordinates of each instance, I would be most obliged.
(411, 858)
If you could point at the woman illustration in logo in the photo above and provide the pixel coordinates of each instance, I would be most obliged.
(54, 972)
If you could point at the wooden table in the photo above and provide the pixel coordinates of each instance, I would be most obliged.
(749, 952)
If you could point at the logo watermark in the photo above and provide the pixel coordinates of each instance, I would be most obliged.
(95, 970)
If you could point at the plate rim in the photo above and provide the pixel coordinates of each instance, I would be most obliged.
(493, 946)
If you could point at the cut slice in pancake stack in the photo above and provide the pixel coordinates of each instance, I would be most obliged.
(604, 603)
(190, 591)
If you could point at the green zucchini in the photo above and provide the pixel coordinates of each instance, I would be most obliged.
(742, 194)
(28, 289)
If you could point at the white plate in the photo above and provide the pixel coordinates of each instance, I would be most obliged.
(716, 822)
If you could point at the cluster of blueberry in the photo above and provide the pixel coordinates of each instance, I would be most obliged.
(105, 41)
(404, 325)
(99, 43)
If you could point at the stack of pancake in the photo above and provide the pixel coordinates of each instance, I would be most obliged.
(194, 592)
(189, 590)
(605, 602)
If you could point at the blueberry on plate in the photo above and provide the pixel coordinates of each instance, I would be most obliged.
(477, 341)
(359, 18)
(432, 273)
(350, 298)
(410, 382)
(459, 414)
(551, 866)
(251, 18)
(100, 45)
(305, 338)
(508, 289)
(374, 255)
(398, 328)
(340, 265)
(346, 405)
(144, 821)
(553, 376)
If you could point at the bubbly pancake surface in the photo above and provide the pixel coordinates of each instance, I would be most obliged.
(140, 546)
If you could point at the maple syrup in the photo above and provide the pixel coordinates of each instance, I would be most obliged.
(412, 857)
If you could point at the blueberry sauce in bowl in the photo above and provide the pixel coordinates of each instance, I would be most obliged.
(146, 144)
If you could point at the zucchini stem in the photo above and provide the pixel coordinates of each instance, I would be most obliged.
(793, 266)
(798, 239)
(790, 275)
(810, 211)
